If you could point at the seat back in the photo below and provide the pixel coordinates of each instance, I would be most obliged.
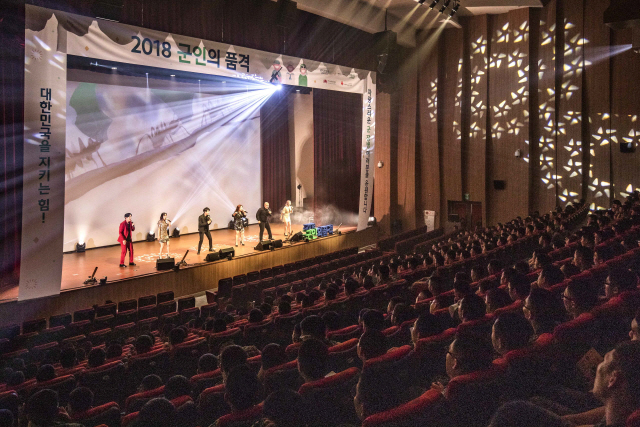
(185, 356)
(165, 297)
(60, 320)
(241, 418)
(136, 401)
(105, 381)
(106, 309)
(428, 409)
(166, 308)
(211, 404)
(35, 325)
(224, 287)
(155, 362)
(475, 396)
(283, 376)
(130, 304)
(187, 302)
(217, 339)
(85, 314)
(147, 300)
(329, 400)
(107, 414)
(259, 334)
(63, 385)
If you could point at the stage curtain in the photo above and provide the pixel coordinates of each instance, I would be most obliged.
(11, 137)
(337, 130)
(276, 168)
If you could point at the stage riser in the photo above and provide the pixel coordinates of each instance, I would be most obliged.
(187, 281)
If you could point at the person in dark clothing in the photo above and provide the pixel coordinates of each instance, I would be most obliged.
(204, 221)
(263, 216)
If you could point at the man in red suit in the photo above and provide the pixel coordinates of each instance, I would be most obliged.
(126, 229)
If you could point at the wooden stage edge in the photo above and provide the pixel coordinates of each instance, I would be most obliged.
(189, 280)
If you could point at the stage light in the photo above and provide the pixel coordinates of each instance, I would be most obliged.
(151, 237)
(421, 2)
(114, 68)
(103, 281)
(372, 221)
(433, 4)
(454, 9)
(176, 232)
(278, 87)
(81, 247)
(173, 75)
(445, 5)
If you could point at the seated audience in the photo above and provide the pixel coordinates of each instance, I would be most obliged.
(511, 331)
(68, 358)
(114, 350)
(518, 287)
(45, 373)
(176, 336)
(158, 412)
(372, 344)
(313, 360)
(543, 310)
(207, 363)
(579, 297)
(372, 319)
(620, 280)
(549, 276)
(376, 391)
(6, 418)
(283, 408)
(426, 325)
(230, 357)
(150, 382)
(583, 258)
(242, 389)
(496, 298)
(143, 344)
(80, 400)
(472, 307)
(177, 386)
(256, 316)
(41, 410)
(272, 355)
(97, 357)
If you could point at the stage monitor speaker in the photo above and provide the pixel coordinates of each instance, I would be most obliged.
(277, 243)
(213, 256)
(298, 237)
(265, 245)
(499, 184)
(225, 252)
(165, 263)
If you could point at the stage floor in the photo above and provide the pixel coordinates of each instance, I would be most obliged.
(76, 267)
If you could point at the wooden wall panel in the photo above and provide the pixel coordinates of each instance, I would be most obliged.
(508, 113)
(407, 143)
(429, 160)
(382, 153)
(476, 149)
(569, 104)
(596, 101)
(625, 108)
(450, 90)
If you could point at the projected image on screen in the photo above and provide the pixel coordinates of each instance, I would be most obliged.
(146, 146)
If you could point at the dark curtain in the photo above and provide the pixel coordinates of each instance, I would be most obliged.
(274, 136)
(337, 132)
(11, 137)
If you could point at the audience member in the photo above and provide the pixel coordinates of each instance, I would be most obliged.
(41, 410)
(230, 357)
(242, 389)
(372, 344)
(313, 360)
(496, 298)
(45, 373)
(426, 325)
(143, 344)
(6, 418)
(283, 408)
(207, 363)
(472, 307)
(372, 319)
(256, 316)
(579, 297)
(620, 280)
(150, 382)
(549, 276)
(80, 400)
(543, 310)
(97, 357)
(376, 391)
(511, 331)
(158, 412)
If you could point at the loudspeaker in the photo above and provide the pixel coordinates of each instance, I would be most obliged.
(225, 252)
(213, 256)
(165, 263)
(499, 184)
(298, 237)
(277, 243)
(387, 62)
(265, 245)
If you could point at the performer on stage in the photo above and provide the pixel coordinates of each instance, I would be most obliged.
(203, 228)
(163, 232)
(262, 216)
(285, 216)
(126, 243)
(238, 223)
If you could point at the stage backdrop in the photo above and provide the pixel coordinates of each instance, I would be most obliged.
(78, 169)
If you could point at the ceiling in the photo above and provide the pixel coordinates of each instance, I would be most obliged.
(405, 16)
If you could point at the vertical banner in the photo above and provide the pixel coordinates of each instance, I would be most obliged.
(368, 145)
(45, 77)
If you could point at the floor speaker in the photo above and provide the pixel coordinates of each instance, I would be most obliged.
(225, 252)
(277, 243)
(265, 245)
(165, 263)
(298, 237)
(213, 256)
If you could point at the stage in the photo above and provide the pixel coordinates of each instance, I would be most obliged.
(143, 279)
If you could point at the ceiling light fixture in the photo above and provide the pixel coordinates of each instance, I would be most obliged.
(445, 5)
(421, 2)
(433, 4)
(454, 9)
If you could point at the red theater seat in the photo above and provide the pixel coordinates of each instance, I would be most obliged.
(136, 401)
(216, 339)
(428, 409)
(241, 418)
(107, 414)
(211, 404)
(329, 400)
(106, 381)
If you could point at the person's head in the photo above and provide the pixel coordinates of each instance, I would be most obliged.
(550, 275)
(461, 289)
(373, 319)
(45, 373)
(114, 350)
(376, 391)
(266, 307)
(242, 388)
(634, 333)
(331, 320)
(384, 272)
(177, 386)
(350, 286)
(68, 357)
(143, 344)
(468, 353)
(80, 400)
(583, 257)
(273, 355)
(150, 382)
(579, 297)
(230, 357)
(97, 357)
(42, 408)
(511, 331)
(494, 267)
(437, 285)
(426, 325)
(618, 377)
(620, 280)
(163, 216)
(266, 205)
(238, 208)
(313, 326)
(472, 307)
(6, 418)
(158, 412)
(16, 378)
(372, 344)
(206, 211)
(402, 313)
(219, 325)
(477, 273)
(128, 217)
(519, 287)
(313, 359)
(367, 282)
(330, 293)
(570, 270)
(284, 307)
(256, 316)
(177, 336)
(392, 304)
(207, 363)
(543, 310)
(284, 408)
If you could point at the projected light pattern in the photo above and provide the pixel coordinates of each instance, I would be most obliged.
(477, 104)
(432, 101)
(457, 129)
(546, 109)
